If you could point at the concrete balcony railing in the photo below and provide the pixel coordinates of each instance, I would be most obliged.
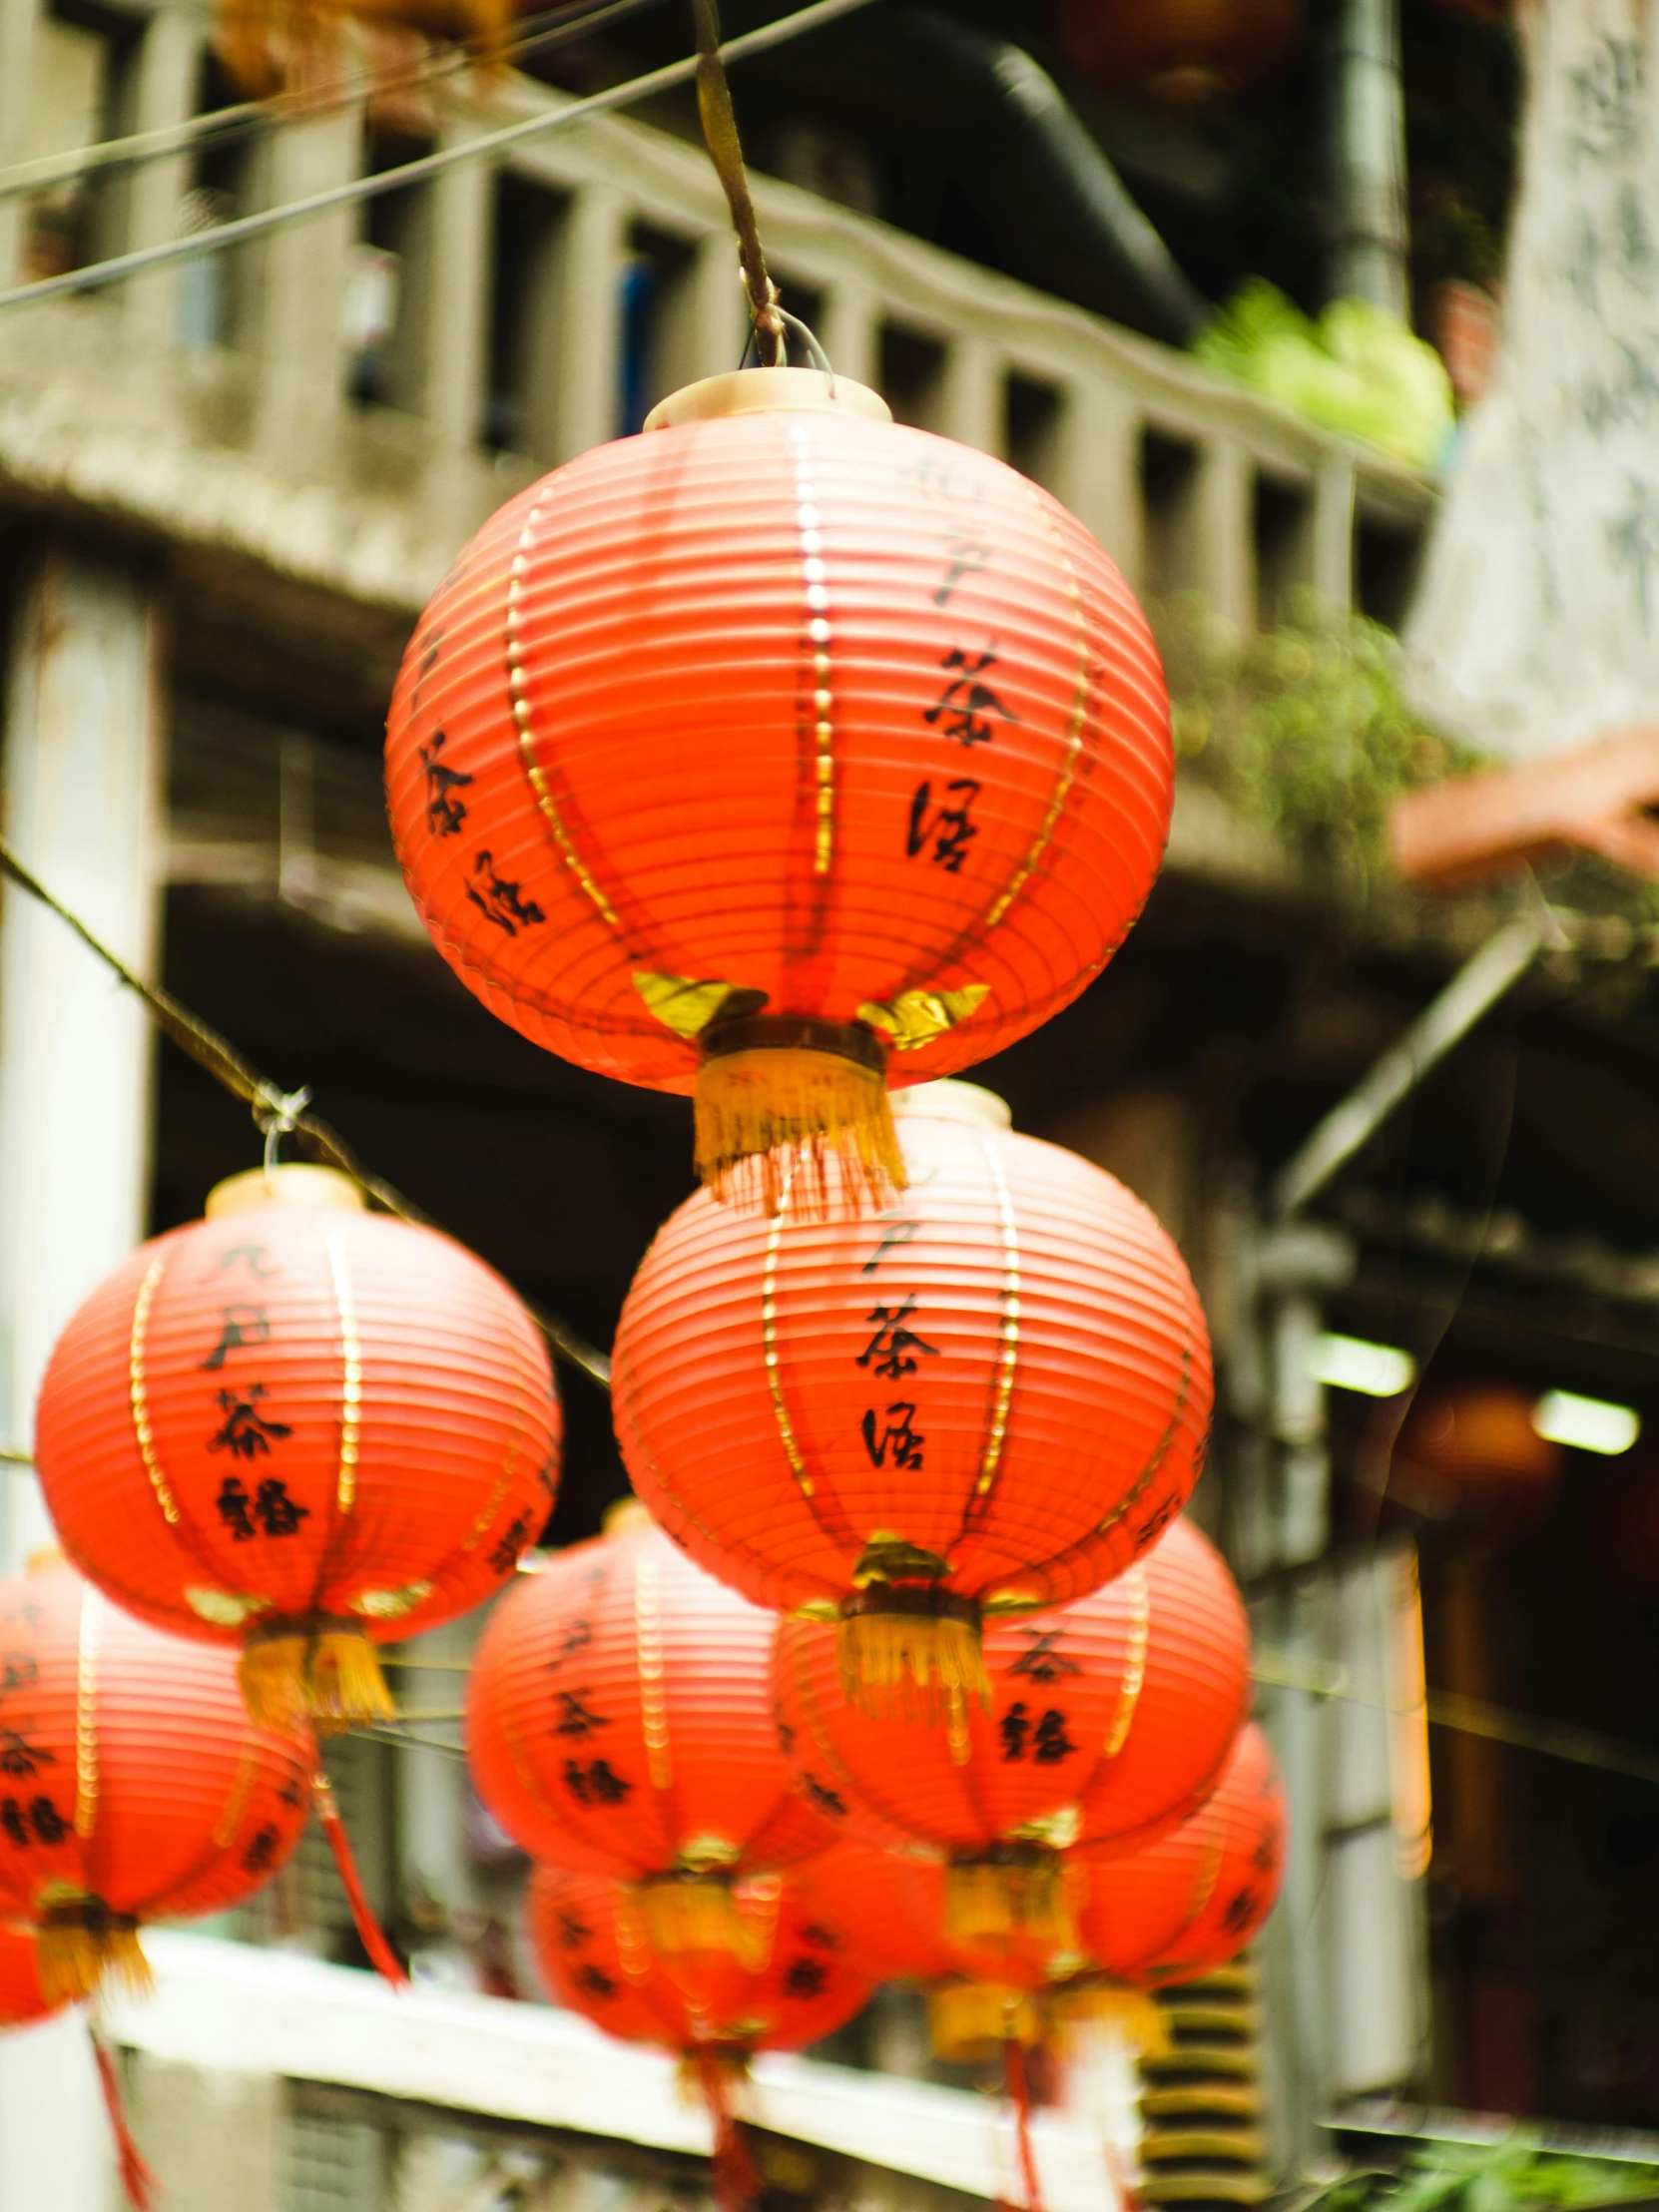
(345, 400)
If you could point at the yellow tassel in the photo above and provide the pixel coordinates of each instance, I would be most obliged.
(1137, 2020)
(1006, 1897)
(81, 1946)
(328, 1678)
(701, 1913)
(771, 1118)
(970, 2021)
(910, 1665)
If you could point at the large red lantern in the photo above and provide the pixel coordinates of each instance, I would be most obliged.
(619, 1721)
(1107, 1722)
(301, 1428)
(22, 1999)
(744, 754)
(133, 1784)
(990, 1397)
(791, 1984)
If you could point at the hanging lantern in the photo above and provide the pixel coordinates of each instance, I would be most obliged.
(1108, 1720)
(619, 1721)
(1182, 54)
(301, 1428)
(780, 754)
(988, 1398)
(791, 1986)
(22, 1999)
(133, 1784)
(1471, 1455)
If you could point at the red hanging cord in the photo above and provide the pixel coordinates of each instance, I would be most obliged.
(373, 1936)
(136, 2180)
(737, 2184)
(1019, 2096)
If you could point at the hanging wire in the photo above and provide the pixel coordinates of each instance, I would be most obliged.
(222, 127)
(224, 235)
(276, 1111)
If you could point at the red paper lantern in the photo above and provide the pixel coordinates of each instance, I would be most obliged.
(301, 1428)
(619, 1721)
(992, 1398)
(134, 1787)
(22, 1999)
(1108, 1721)
(740, 754)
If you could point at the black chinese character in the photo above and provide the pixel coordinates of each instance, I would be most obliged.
(504, 1554)
(247, 1432)
(577, 1637)
(898, 1436)
(277, 1512)
(827, 1801)
(1240, 1909)
(575, 1718)
(1051, 1743)
(820, 1939)
(444, 811)
(11, 1820)
(1013, 1728)
(49, 1824)
(252, 1257)
(261, 1851)
(595, 1980)
(962, 708)
(235, 1508)
(19, 1757)
(243, 1325)
(498, 900)
(428, 660)
(18, 1671)
(1045, 1662)
(950, 828)
(893, 1344)
(574, 1932)
(968, 557)
(895, 1234)
(804, 1978)
(596, 1783)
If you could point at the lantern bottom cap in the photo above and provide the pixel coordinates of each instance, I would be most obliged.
(972, 2021)
(795, 1111)
(321, 1673)
(699, 1912)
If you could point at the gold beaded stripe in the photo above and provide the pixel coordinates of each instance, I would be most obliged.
(352, 1362)
(768, 1334)
(242, 1789)
(1074, 731)
(1148, 1473)
(815, 593)
(518, 688)
(1134, 1660)
(1007, 1354)
(138, 1394)
(648, 1651)
(85, 1713)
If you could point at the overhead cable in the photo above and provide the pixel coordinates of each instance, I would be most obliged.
(242, 227)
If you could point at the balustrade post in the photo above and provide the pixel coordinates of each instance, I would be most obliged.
(17, 50)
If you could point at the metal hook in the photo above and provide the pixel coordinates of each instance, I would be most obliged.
(278, 1114)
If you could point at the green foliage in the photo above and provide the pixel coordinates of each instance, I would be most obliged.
(1304, 730)
(1359, 369)
(1510, 2176)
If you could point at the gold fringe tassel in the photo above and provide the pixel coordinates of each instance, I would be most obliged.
(970, 2021)
(1138, 2020)
(1002, 1899)
(329, 1679)
(683, 1914)
(777, 1117)
(911, 1666)
(78, 1951)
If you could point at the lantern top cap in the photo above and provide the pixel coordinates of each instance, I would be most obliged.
(949, 1100)
(290, 1183)
(767, 392)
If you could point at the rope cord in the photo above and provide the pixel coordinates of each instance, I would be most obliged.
(275, 1110)
(782, 32)
(719, 134)
(224, 126)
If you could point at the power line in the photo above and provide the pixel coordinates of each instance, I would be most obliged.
(226, 234)
(209, 1050)
(223, 126)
